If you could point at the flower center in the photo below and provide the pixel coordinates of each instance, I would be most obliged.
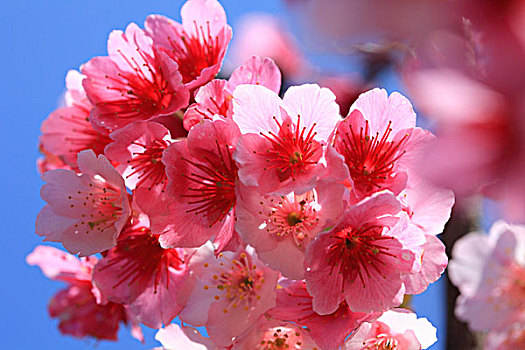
(239, 282)
(291, 151)
(293, 218)
(142, 93)
(195, 52)
(370, 159)
(281, 338)
(356, 253)
(289, 218)
(381, 342)
(147, 163)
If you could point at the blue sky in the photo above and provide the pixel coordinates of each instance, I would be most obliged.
(42, 40)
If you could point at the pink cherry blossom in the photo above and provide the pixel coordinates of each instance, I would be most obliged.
(380, 142)
(363, 258)
(139, 273)
(281, 227)
(281, 149)
(135, 82)
(267, 334)
(68, 130)
(76, 308)
(198, 44)
(491, 282)
(86, 211)
(138, 149)
(395, 329)
(294, 304)
(202, 177)
(215, 98)
(228, 293)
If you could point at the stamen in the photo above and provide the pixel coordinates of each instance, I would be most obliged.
(213, 192)
(291, 152)
(370, 159)
(140, 258)
(140, 94)
(358, 251)
(239, 283)
(148, 164)
(195, 51)
(295, 218)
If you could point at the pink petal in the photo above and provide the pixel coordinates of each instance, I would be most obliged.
(314, 105)
(254, 107)
(379, 109)
(257, 71)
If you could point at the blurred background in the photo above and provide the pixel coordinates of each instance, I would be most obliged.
(333, 44)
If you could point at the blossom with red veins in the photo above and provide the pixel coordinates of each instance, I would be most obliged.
(227, 293)
(68, 129)
(489, 271)
(138, 148)
(363, 258)
(294, 304)
(175, 337)
(215, 98)
(86, 211)
(268, 334)
(380, 143)
(135, 82)
(201, 188)
(76, 307)
(395, 329)
(280, 228)
(139, 273)
(198, 44)
(281, 149)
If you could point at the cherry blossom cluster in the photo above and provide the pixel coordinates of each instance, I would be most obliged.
(489, 271)
(274, 222)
